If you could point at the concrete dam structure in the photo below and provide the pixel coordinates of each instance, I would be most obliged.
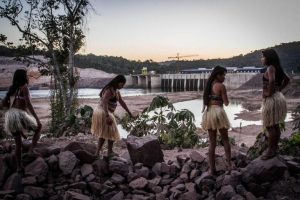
(185, 81)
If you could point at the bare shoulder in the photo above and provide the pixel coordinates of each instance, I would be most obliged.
(24, 90)
(220, 86)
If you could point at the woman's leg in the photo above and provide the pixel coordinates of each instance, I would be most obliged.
(35, 139)
(211, 152)
(227, 148)
(273, 140)
(110, 151)
(100, 145)
(18, 151)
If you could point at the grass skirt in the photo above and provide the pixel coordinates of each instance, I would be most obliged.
(274, 109)
(17, 120)
(101, 129)
(215, 118)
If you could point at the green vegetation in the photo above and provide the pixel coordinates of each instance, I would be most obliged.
(291, 146)
(174, 128)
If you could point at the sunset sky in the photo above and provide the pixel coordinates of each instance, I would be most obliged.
(156, 29)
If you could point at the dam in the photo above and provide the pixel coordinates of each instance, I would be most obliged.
(185, 81)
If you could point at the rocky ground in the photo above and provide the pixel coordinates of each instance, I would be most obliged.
(73, 173)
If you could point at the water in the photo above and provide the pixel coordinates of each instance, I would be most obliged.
(196, 106)
(90, 93)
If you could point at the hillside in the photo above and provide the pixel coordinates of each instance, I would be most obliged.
(289, 54)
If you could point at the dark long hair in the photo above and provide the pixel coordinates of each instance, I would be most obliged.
(114, 83)
(19, 79)
(216, 71)
(272, 58)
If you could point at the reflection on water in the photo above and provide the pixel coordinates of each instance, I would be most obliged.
(196, 106)
(90, 93)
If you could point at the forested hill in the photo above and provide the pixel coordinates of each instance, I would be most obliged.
(289, 54)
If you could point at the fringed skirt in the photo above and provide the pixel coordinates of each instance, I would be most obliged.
(17, 120)
(215, 118)
(274, 110)
(101, 129)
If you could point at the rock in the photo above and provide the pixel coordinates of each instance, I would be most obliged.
(100, 167)
(293, 166)
(156, 169)
(194, 173)
(69, 195)
(165, 169)
(143, 172)
(119, 165)
(23, 197)
(196, 157)
(181, 159)
(259, 171)
(139, 183)
(37, 168)
(186, 168)
(233, 179)
(53, 162)
(86, 169)
(184, 177)
(226, 193)
(205, 175)
(296, 188)
(118, 196)
(131, 176)
(80, 185)
(4, 170)
(4, 193)
(54, 149)
(138, 166)
(74, 146)
(95, 187)
(144, 150)
(189, 196)
(14, 182)
(67, 161)
(237, 197)
(241, 190)
(155, 181)
(257, 189)
(35, 192)
(166, 180)
(31, 180)
(90, 177)
(117, 178)
(249, 196)
(220, 164)
(84, 156)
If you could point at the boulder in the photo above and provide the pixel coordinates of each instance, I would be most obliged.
(119, 165)
(84, 156)
(53, 162)
(37, 168)
(4, 170)
(66, 161)
(35, 192)
(95, 188)
(30, 180)
(14, 182)
(259, 171)
(117, 178)
(145, 150)
(139, 183)
(118, 196)
(70, 195)
(226, 193)
(86, 169)
(143, 172)
(23, 197)
(74, 146)
(100, 167)
(197, 157)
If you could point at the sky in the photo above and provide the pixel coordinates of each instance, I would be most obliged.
(158, 29)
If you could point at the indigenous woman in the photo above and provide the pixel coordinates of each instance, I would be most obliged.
(20, 116)
(214, 118)
(104, 123)
(274, 106)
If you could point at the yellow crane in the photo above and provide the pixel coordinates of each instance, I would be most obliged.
(178, 57)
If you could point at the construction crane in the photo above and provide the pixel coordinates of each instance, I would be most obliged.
(178, 57)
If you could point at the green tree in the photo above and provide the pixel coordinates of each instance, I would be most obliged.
(55, 26)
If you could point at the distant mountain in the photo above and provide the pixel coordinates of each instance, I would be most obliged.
(289, 54)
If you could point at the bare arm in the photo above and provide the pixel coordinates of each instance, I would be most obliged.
(285, 82)
(224, 95)
(123, 104)
(26, 95)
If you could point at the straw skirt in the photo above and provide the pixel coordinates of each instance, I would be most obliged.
(17, 120)
(215, 118)
(274, 109)
(101, 129)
